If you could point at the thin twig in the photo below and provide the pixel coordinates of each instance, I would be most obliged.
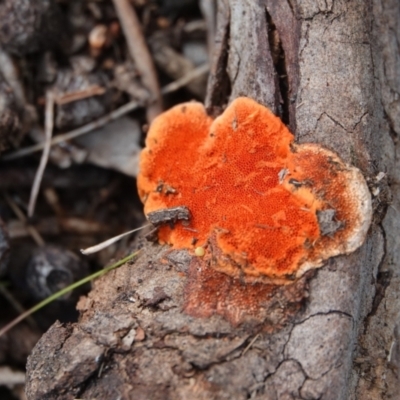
(62, 292)
(94, 90)
(16, 304)
(119, 112)
(181, 82)
(49, 124)
(140, 53)
(250, 344)
(21, 216)
(109, 242)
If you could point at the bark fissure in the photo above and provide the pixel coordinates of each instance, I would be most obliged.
(219, 86)
(279, 60)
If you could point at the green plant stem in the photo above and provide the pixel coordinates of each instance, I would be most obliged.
(62, 292)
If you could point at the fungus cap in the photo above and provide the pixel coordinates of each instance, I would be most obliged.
(263, 207)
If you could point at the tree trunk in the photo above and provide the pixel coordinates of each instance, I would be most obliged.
(328, 69)
(376, 367)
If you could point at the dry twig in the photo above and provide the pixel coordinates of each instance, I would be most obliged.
(94, 90)
(16, 305)
(21, 216)
(49, 124)
(140, 54)
(119, 112)
(109, 242)
(181, 82)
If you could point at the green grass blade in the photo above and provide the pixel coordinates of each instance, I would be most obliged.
(67, 289)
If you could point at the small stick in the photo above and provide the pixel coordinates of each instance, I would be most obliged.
(21, 216)
(250, 344)
(49, 124)
(94, 90)
(16, 304)
(109, 242)
(140, 53)
(184, 80)
(119, 112)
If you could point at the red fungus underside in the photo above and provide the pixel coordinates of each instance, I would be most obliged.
(252, 193)
(209, 292)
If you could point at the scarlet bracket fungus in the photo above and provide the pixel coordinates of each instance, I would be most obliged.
(264, 207)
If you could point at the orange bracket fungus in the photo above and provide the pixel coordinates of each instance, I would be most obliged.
(262, 207)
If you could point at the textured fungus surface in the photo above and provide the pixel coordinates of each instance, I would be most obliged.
(209, 292)
(262, 206)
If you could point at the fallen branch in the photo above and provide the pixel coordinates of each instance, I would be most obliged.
(140, 54)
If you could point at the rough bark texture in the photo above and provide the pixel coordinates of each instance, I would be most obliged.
(376, 368)
(316, 63)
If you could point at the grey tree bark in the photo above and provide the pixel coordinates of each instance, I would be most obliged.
(376, 365)
(331, 70)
